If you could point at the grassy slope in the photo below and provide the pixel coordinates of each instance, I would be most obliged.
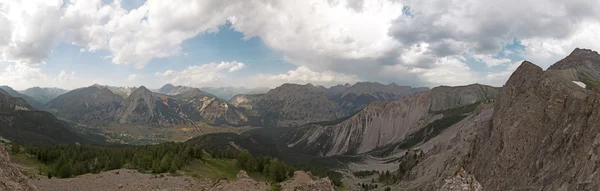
(216, 168)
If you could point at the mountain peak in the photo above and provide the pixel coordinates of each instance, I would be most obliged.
(579, 58)
(580, 51)
(168, 86)
(141, 89)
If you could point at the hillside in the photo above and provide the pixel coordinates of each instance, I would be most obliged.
(88, 104)
(404, 122)
(21, 123)
(31, 101)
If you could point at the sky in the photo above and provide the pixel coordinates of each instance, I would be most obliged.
(264, 43)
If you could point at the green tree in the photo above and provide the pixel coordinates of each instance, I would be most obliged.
(65, 170)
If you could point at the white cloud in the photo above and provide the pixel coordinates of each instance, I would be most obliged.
(301, 75)
(201, 75)
(132, 77)
(371, 39)
(30, 29)
(491, 61)
(22, 76)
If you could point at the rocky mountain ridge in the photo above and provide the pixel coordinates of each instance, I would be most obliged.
(295, 105)
(93, 103)
(406, 121)
(539, 134)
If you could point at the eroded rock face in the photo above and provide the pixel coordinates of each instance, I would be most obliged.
(542, 135)
(461, 182)
(10, 177)
(407, 121)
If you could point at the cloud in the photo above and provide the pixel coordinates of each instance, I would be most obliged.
(490, 61)
(132, 77)
(409, 42)
(22, 76)
(201, 75)
(301, 75)
(30, 29)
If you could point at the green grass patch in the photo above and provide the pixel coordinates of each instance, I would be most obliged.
(589, 82)
(23, 160)
(212, 168)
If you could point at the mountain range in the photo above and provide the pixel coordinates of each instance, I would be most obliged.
(537, 132)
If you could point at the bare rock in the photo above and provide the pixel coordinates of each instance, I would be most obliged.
(461, 182)
(243, 182)
(302, 181)
(10, 177)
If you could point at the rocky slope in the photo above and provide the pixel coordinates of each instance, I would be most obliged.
(209, 109)
(43, 95)
(94, 103)
(463, 181)
(543, 133)
(301, 181)
(394, 124)
(581, 65)
(539, 134)
(10, 177)
(245, 100)
(146, 107)
(31, 101)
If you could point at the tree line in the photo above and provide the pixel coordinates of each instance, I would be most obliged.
(65, 161)
(270, 167)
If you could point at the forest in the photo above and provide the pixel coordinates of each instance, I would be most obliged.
(64, 161)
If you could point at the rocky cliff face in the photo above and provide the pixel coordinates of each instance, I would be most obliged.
(246, 100)
(94, 103)
(543, 133)
(463, 181)
(539, 134)
(10, 177)
(401, 123)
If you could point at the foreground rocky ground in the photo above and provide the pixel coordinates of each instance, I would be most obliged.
(122, 180)
(133, 180)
